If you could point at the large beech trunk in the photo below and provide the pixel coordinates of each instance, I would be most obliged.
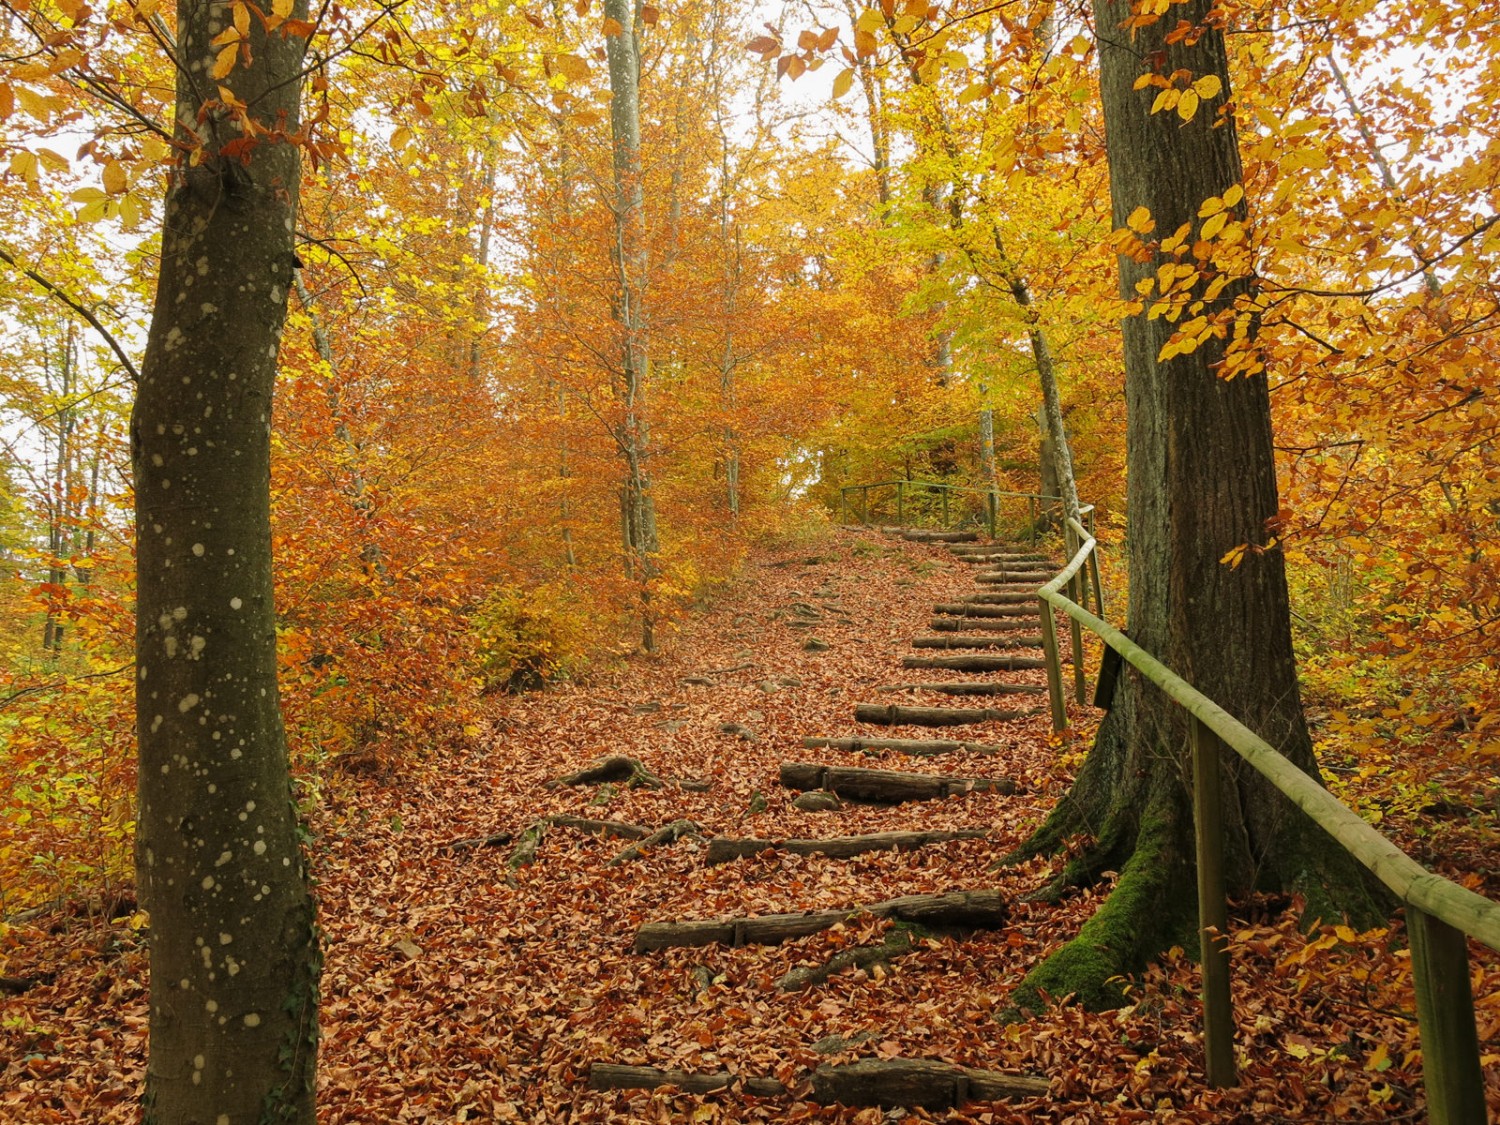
(234, 953)
(1201, 482)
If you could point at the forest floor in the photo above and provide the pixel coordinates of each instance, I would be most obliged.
(459, 990)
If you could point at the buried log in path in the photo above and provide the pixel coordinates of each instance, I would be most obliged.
(962, 687)
(722, 849)
(970, 609)
(957, 911)
(916, 746)
(977, 640)
(892, 715)
(912, 1083)
(975, 662)
(887, 787)
(667, 834)
(983, 624)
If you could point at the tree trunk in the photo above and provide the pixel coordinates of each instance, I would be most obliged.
(637, 508)
(1201, 482)
(234, 951)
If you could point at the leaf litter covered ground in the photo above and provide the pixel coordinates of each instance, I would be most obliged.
(457, 989)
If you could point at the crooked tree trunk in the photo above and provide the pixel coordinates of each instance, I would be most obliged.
(234, 953)
(637, 507)
(1201, 481)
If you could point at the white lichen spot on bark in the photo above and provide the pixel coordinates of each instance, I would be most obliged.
(235, 603)
(252, 1019)
(187, 702)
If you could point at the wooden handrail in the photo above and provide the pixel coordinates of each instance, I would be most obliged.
(1440, 912)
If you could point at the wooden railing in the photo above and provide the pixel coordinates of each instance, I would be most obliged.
(930, 503)
(1439, 913)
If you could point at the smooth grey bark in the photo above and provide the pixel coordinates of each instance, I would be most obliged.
(1201, 481)
(637, 507)
(234, 951)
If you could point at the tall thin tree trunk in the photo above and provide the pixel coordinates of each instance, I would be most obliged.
(234, 952)
(637, 507)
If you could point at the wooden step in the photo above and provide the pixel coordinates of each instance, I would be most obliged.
(975, 640)
(959, 910)
(982, 624)
(722, 849)
(1001, 597)
(976, 662)
(892, 715)
(886, 787)
(923, 748)
(969, 609)
(976, 687)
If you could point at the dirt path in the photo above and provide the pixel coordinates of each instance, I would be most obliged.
(460, 989)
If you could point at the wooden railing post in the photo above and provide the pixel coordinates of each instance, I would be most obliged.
(992, 510)
(1445, 1018)
(843, 505)
(1054, 668)
(944, 494)
(1213, 912)
(900, 503)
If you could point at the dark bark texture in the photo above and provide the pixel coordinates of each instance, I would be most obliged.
(1201, 482)
(234, 951)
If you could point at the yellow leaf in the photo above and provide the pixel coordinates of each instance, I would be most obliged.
(572, 67)
(973, 92)
(1141, 221)
(24, 164)
(52, 161)
(130, 210)
(612, 28)
(242, 19)
(7, 102)
(224, 63)
(1187, 105)
(1165, 100)
(401, 138)
(93, 212)
(1234, 195)
(1208, 86)
(282, 9)
(115, 181)
(843, 83)
(1215, 224)
(34, 104)
(87, 195)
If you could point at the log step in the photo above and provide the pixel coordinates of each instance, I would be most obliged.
(999, 597)
(927, 1083)
(892, 715)
(960, 910)
(971, 640)
(887, 787)
(973, 687)
(988, 624)
(722, 849)
(976, 662)
(970, 609)
(918, 535)
(1016, 561)
(917, 746)
(1008, 577)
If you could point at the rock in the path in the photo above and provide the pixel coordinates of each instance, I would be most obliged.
(817, 800)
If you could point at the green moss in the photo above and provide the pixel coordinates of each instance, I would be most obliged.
(1153, 907)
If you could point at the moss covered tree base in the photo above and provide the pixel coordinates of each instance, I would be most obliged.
(1130, 811)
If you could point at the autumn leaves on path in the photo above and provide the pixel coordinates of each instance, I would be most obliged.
(456, 979)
